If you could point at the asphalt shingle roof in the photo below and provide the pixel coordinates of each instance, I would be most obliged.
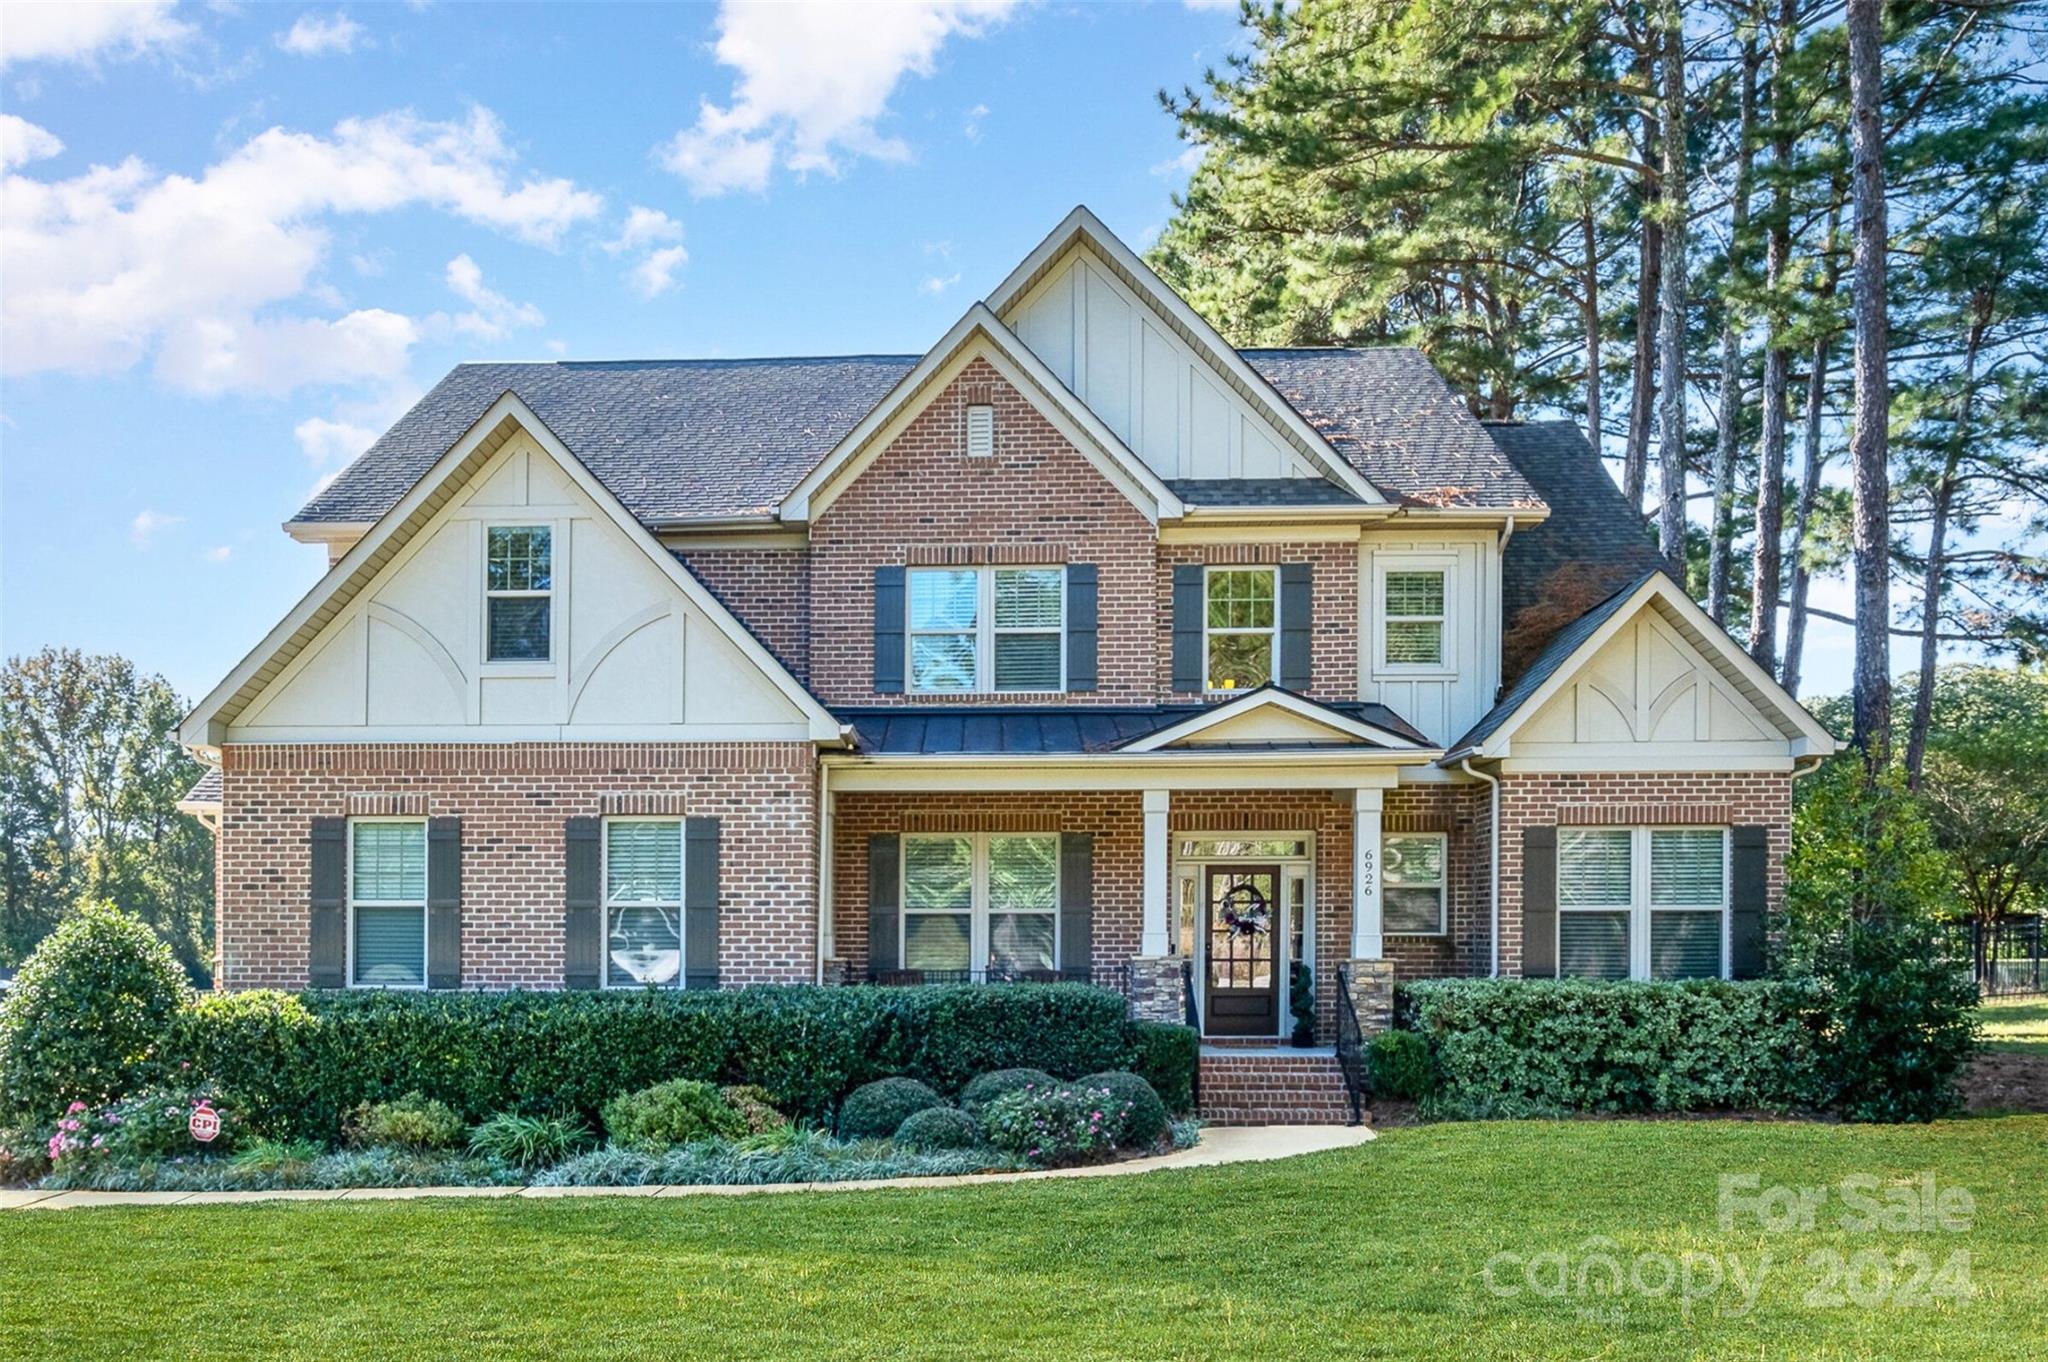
(208, 790)
(700, 439)
(1261, 492)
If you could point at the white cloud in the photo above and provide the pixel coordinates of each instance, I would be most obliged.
(493, 315)
(935, 284)
(1174, 167)
(313, 36)
(80, 31)
(124, 263)
(219, 553)
(1231, 5)
(970, 122)
(22, 141)
(331, 444)
(143, 529)
(657, 237)
(814, 79)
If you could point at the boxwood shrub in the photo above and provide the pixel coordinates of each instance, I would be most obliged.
(1511, 1047)
(298, 1063)
(874, 1110)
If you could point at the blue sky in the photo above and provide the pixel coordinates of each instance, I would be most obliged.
(239, 240)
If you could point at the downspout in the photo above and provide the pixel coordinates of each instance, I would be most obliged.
(1493, 870)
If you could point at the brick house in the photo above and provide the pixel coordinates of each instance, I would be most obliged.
(1081, 645)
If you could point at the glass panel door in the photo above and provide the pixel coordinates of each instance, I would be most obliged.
(1244, 918)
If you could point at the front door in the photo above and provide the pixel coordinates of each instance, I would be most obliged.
(1243, 993)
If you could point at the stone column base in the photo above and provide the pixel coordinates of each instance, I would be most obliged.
(1158, 989)
(835, 972)
(1372, 994)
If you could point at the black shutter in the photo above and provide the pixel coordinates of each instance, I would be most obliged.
(583, 908)
(1190, 668)
(1081, 614)
(328, 929)
(1077, 902)
(1296, 622)
(888, 631)
(700, 903)
(444, 903)
(1539, 902)
(885, 890)
(1749, 870)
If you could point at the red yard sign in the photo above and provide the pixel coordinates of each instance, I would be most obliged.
(205, 1123)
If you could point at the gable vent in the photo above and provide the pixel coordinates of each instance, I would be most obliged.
(981, 431)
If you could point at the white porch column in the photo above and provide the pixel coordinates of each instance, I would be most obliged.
(1367, 941)
(1158, 889)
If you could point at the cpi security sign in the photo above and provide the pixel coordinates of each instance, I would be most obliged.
(205, 1123)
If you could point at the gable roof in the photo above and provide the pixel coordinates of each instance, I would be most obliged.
(1584, 636)
(980, 331)
(303, 624)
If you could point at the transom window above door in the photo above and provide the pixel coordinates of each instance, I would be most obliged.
(1241, 627)
(519, 584)
(987, 629)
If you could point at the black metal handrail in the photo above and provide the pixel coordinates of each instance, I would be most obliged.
(1194, 1016)
(1350, 1046)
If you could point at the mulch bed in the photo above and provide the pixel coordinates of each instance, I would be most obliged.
(2005, 1082)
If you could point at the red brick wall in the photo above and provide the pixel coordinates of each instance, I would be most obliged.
(769, 589)
(513, 799)
(1463, 813)
(923, 501)
(1333, 592)
(1735, 799)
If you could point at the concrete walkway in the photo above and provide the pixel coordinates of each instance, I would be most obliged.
(1218, 1145)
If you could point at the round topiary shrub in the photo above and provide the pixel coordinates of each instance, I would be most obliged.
(939, 1128)
(979, 1093)
(1401, 1067)
(755, 1107)
(1140, 1119)
(872, 1111)
(414, 1121)
(679, 1111)
(85, 1015)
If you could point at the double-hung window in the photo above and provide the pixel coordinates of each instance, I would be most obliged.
(643, 902)
(987, 629)
(518, 593)
(1642, 903)
(1241, 627)
(1412, 617)
(387, 902)
(981, 902)
(1412, 884)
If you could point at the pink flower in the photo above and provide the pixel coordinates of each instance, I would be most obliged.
(75, 1106)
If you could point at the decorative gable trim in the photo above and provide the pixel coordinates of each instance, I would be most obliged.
(301, 628)
(1803, 734)
(1082, 229)
(1341, 727)
(979, 334)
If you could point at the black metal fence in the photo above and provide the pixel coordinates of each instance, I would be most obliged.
(2004, 955)
(1116, 977)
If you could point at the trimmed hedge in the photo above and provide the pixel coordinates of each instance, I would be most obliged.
(1518, 1047)
(298, 1063)
(874, 1110)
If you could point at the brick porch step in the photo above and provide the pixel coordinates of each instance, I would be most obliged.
(1246, 1086)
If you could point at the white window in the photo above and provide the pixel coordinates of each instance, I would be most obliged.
(387, 902)
(1412, 617)
(643, 902)
(981, 902)
(987, 629)
(1412, 887)
(1642, 903)
(518, 593)
(981, 431)
(1241, 627)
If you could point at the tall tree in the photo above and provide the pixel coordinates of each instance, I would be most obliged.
(1674, 206)
(1870, 472)
(1721, 528)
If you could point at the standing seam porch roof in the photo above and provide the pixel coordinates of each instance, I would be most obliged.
(679, 440)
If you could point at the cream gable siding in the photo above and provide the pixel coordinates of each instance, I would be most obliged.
(1144, 382)
(1648, 699)
(1444, 701)
(633, 657)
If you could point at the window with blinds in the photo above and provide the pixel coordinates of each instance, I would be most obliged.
(1412, 604)
(1023, 895)
(519, 590)
(987, 629)
(1642, 903)
(643, 893)
(387, 882)
(1412, 892)
(981, 902)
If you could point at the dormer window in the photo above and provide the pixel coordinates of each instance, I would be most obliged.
(518, 593)
(981, 430)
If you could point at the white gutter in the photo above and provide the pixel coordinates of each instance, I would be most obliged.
(1493, 872)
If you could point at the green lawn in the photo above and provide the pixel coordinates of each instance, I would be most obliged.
(1379, 1251)
(2016, 1025)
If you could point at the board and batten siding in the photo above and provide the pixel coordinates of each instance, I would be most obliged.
(1442, 701)
(1145, 382)
(633, 657)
